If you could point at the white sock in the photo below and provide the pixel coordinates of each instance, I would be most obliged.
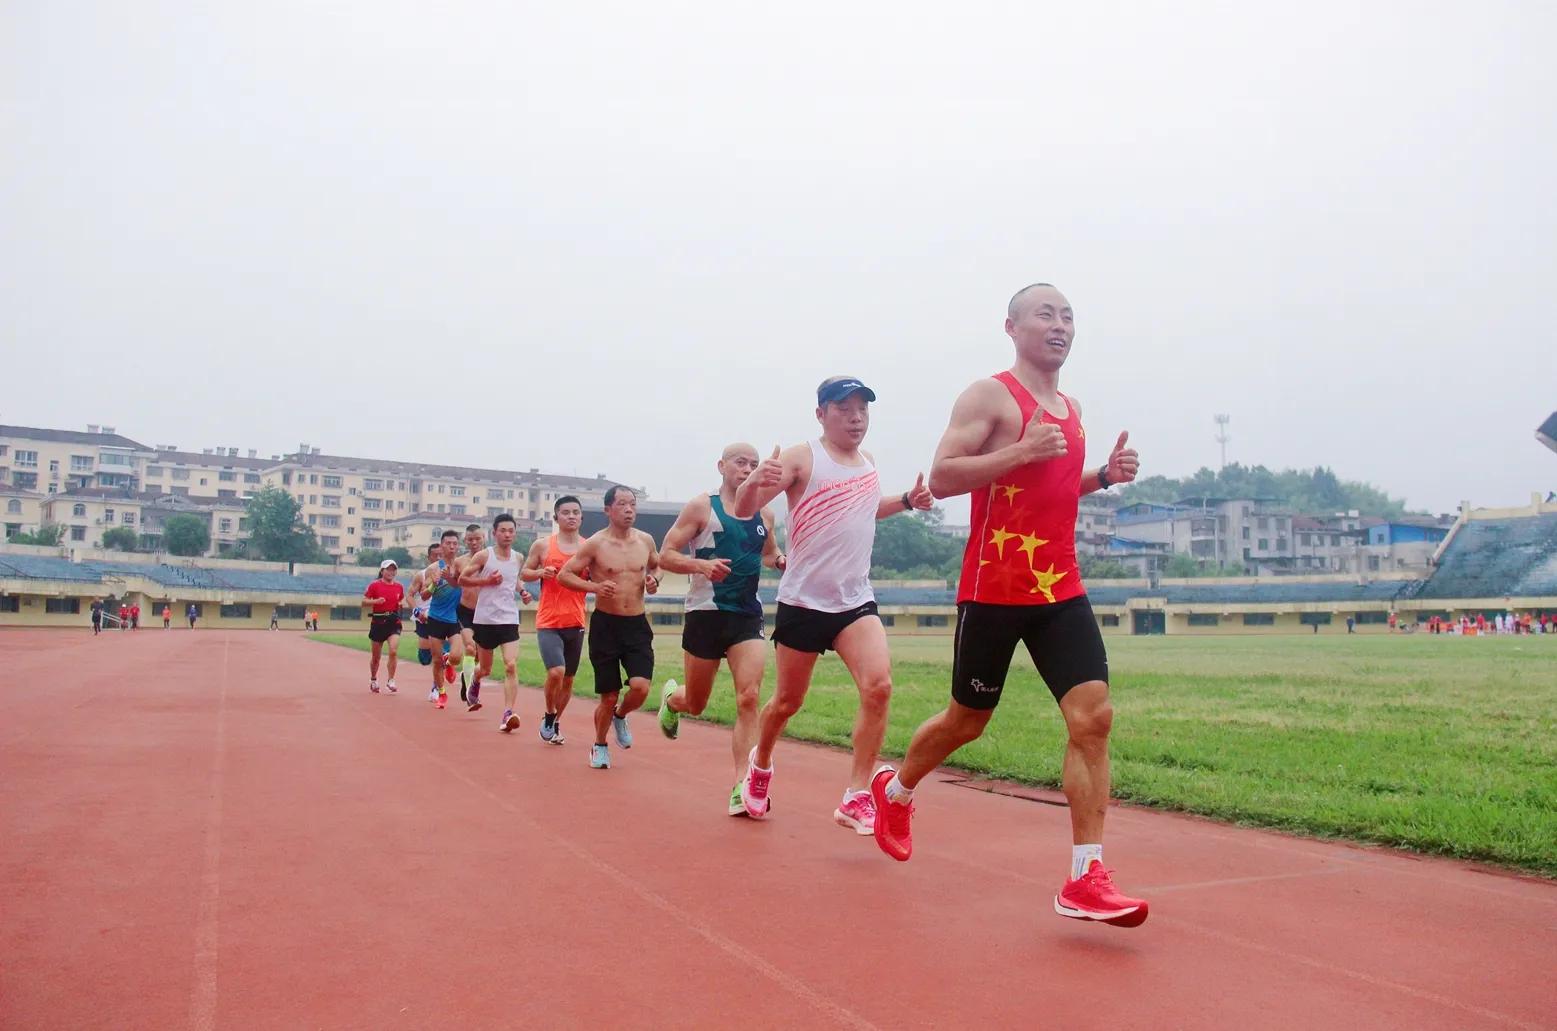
(850, 793)
(1081, 857)
(896, 792)
(752, 760)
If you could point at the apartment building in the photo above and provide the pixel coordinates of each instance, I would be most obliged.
(23, 510)
(1255, 532)
(355, 503)
(212, 473)
(89, 512)
(50, 461)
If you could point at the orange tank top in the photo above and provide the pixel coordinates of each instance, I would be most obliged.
(561, 608)
(1022, 545)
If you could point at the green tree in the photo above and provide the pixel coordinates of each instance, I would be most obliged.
(907, 546)
(121, 538)
(1316, 490)
(373, 556)
(48, 535)
(186, 535)
(1097, 567)
(277, 532)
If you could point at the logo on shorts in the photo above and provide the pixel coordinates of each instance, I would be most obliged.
(981, 687)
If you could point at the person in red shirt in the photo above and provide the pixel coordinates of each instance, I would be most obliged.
(1016, 445)
(124, 616)
(135, 617)
(383, 597)
(167, 616)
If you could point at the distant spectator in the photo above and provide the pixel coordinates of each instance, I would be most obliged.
(97, 617)
(1351, 625)
(274, 623)
(135, 617)
(193, 613)
(124, 616)
(167, 615)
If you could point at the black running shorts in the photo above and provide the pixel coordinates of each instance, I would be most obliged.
(439, 630)
(492, 636)
(380, 628)
(711, 633)
(621, 649)
(467, 617)
(807, 630)
(1063, 639)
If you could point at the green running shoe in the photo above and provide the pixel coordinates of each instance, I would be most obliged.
(670, 719)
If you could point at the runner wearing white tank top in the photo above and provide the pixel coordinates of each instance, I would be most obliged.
(495, 571)
(825, 597)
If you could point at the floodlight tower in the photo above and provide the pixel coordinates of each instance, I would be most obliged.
(1221, 434)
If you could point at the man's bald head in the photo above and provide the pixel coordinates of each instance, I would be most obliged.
(1022, 296)
(736, 463)
(731, 450)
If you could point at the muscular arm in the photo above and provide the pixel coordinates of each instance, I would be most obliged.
(470, 572)
(960, 463)
(571, 575)
(761, 488)
(694, 516)
(533, 561)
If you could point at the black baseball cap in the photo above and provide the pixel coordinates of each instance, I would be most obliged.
(831, 393)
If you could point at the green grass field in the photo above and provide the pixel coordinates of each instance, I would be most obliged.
(1440, 744)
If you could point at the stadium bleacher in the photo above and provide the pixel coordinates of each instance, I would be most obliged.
(41, 567)
(1496, 558)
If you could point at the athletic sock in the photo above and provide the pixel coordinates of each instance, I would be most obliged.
(1081, 857)
(896, 792)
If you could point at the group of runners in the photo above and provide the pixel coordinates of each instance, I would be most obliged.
(1014, 443)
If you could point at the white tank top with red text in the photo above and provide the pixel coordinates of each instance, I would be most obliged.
(831, 531)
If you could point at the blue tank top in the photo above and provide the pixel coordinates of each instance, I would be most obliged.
(741, 541)
(445, 599)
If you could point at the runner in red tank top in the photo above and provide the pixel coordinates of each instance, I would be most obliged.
(1015, 443)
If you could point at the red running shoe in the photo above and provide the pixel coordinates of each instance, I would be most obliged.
(892, 818)
(1092, 896)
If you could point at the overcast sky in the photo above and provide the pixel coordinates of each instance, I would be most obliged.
(611, 237)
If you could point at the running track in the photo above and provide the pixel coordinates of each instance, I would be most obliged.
(225, 829)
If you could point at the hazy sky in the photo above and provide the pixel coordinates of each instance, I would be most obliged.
(611, 237)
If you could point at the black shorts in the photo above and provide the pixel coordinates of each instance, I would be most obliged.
(438, 630)
(711, 633)
(493, 636)
(1063, 639)
(809, 630)
(420, 626)
(561, 648)
(380, 629)
(621, 648)
(467, 617)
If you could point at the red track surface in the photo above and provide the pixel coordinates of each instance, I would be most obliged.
(226, 829)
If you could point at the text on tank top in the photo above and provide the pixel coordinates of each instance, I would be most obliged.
(1022, 542)
(832, 529)
(561, 608)
(499, 605)
(741, 541)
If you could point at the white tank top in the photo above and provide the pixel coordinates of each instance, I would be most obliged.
(499, 606)
(831, 531)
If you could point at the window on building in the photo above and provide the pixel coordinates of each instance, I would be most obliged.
(290, 611)
(372, 504)
(929, 621)
(78, 533)
(1372, 617)
(346, 613)
(372, 542)
(1314, 618)
(330, 542)
(888, 620)
(442, 488)
(251, 477)
(313, 499)
(28, 459)
(108, 515)
(227, 476)
(83, 464)
(237, 611)
(371, 524)
(1245, 533)
(372, 484)
(331, 521)
(313, 520)
(243, 523)
(53, 488)
(1335, 540)
(1373, 563)
(26, 481)
(227, 494)
(181, 474)
(10, 603)
(351, 531)
(128, 518)
(1264, 544)
(332, 481)
(476, 499)
(71, 605)
(330, 500)
(1259, 619)
(13, 505)
(1303, 540)
(458, 492)
(1281, 544)
(1109, 619)
(666, 619)
(1204, 619)
(224, 525)
(313, 479)
(456, 509)
(351, 511)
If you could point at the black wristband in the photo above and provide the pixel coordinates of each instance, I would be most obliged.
(1102, 478)
(907, 505)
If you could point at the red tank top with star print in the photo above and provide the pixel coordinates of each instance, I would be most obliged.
(1022, 542)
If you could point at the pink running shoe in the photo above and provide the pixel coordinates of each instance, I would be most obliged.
(754, 789)
(1092, 896)
(448, 672)
(858, 814)
(443, 699)
(893, 835)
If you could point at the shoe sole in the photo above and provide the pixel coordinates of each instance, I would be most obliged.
(1133, 917)
(512, 723)
(878, 795)
(843, 819)
(473, 706)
